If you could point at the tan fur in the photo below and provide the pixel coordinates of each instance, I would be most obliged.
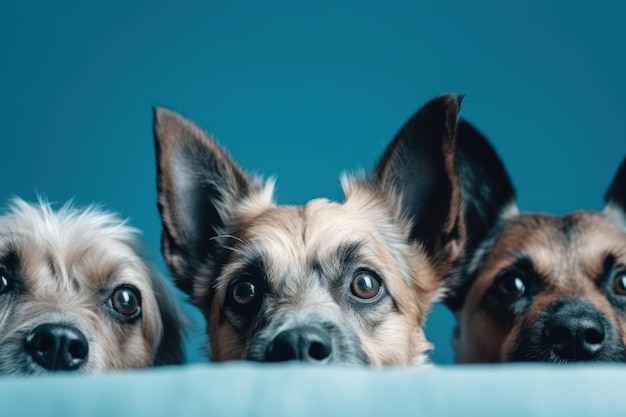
(292, 236)
(570, 267)
(68, 261)
(301, 247)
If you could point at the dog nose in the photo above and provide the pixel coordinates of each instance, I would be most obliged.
(575, 337)
(307, 344)
(57, 347)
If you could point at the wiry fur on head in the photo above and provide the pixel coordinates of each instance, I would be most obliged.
(400, 224)
(62, 267)
(568, 268)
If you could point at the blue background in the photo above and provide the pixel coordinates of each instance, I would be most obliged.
(304, 91)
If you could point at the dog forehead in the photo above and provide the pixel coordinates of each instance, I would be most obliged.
(568, 251)
(297, 232)
(305, 246)
(70, 248)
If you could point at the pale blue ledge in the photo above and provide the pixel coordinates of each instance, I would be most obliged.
(245, 389)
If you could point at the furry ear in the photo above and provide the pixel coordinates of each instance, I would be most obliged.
(488, 197)
(174, 322)
(615, 196)
(199, 187)
(420, 166)
(488, 193)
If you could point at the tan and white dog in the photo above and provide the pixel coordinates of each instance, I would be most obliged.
(76, 294)
(326, 282)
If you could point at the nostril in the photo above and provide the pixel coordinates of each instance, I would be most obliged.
(594, 336)
(281, 349)
(78, 349)
(41, 342)
(319, 351)
(559, 335)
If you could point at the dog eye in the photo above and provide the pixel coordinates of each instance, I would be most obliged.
(245, 296)
(125, 301)
(619, 283)
(5, 284)
(511, 284)
(365, 285)
(244, 292)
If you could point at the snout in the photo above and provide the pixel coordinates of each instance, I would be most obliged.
(57, 347)
(306, 343)
(575, 334)
(569, 330)
(307, 339)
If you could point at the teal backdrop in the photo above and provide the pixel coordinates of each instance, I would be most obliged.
(303, 91)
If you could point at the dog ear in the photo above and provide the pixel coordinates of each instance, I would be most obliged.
(199, 187)
(488, 197)
(615, 196)
(420, 166)
(175, 325)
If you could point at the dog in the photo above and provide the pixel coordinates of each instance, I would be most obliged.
(76, 294)
(326, 282)
(533, 286)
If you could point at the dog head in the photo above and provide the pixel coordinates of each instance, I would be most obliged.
(348, 282)
(536, 287)
(77, 295)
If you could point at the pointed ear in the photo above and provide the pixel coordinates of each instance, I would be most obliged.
(488, 198)
(488, 193)
(199, 187)
(615, 196)
(420, 166)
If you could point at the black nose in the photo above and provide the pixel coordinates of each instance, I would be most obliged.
(57, 347)
(575, 336)
(308, 344)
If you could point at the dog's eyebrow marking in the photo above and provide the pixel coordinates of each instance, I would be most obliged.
(347, 255)
(51, 265)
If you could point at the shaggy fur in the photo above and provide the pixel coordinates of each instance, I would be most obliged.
(536, 287)
(60, 270)
(278, 282)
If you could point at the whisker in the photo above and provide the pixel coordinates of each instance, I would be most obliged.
(227, 236)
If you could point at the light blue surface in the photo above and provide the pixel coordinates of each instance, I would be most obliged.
(242, 389)
(305, 90)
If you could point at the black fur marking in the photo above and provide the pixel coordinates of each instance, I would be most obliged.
(243, 317)
(10, 268)
(505, 310)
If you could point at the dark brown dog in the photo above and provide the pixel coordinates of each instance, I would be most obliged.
(347, 282)
(535, 287)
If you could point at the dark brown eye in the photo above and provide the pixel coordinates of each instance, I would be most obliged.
(365, 285)
(512, 284)
(245, 296)
(244, 292)
(125, 301)
(619, 283)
